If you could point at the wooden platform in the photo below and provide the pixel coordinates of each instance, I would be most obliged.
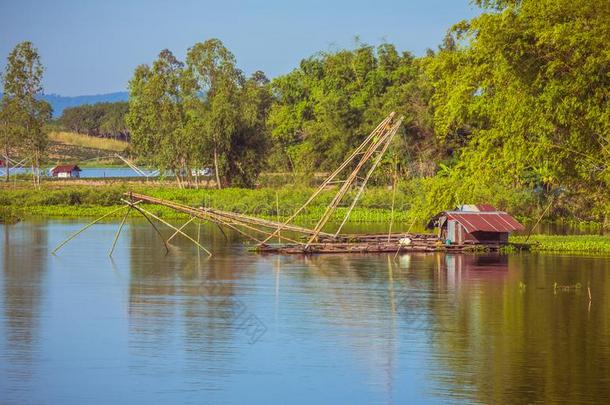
(378, 243)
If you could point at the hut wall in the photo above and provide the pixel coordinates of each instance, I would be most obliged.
(490, 237)
(452, 230)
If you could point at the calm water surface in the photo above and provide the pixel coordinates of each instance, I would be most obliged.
(242, 328)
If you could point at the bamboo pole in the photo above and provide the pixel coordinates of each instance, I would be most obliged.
(334, 174)
(263, 232)
(277, 215)
(221, 231)
(221, 221)
(118, 232)
(221, 216)
(387, 141)
(153, 225)
(74, 235)
(393, 204)
(132, 165)
(181, 228)
(174, 228)
(539, 219)
(345, 187)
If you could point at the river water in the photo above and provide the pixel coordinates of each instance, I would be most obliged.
(152, 327)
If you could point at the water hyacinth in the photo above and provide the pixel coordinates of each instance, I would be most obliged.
(567, 243)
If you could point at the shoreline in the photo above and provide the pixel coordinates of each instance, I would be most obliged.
(85, 198)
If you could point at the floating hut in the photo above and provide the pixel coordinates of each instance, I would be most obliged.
(66, 171)
(474, 225)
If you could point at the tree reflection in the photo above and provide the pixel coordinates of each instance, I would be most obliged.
(186, 299)
(24, 258)
(509, 337)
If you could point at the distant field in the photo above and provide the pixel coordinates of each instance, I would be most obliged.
(70, 147)
(85, 141)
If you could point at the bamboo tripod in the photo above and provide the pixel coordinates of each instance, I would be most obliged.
(134, 205)
(378, 142)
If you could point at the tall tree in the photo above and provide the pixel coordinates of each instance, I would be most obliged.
(8, 134)
(246, 157)
(25, 115)
(218, 79)
(158, 118)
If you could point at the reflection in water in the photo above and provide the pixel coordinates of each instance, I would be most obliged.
(23, 268)
(511, 337)
(188, 297)
(338, 328)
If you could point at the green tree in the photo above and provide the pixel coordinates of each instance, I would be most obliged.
(328, 105)
(8, 134)
(523, 99)
(25, 115)
(101, 119)
(229, 115)
(158, 117)
(113, 122)
(213, 66)
(249, 144)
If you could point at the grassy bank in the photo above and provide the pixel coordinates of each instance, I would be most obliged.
(95, 198)
(89, 200)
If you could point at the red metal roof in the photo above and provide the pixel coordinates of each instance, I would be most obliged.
(65, 168)
(497, 221)
(486, 207)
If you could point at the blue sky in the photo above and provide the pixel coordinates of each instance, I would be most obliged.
(91, 47)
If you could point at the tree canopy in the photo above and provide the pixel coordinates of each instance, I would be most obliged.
(106, 120)
(326, 106)
(525, 96)
(199, 114)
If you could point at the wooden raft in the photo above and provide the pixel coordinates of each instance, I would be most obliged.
(427, 244)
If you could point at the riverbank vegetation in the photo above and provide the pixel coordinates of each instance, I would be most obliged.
(599, 244)
(90, 200)
(511, 109)
(68, 198)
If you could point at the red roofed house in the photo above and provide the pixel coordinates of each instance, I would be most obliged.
(65, 171)
(475, 224)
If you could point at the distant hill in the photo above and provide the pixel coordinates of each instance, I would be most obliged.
(59, 103)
